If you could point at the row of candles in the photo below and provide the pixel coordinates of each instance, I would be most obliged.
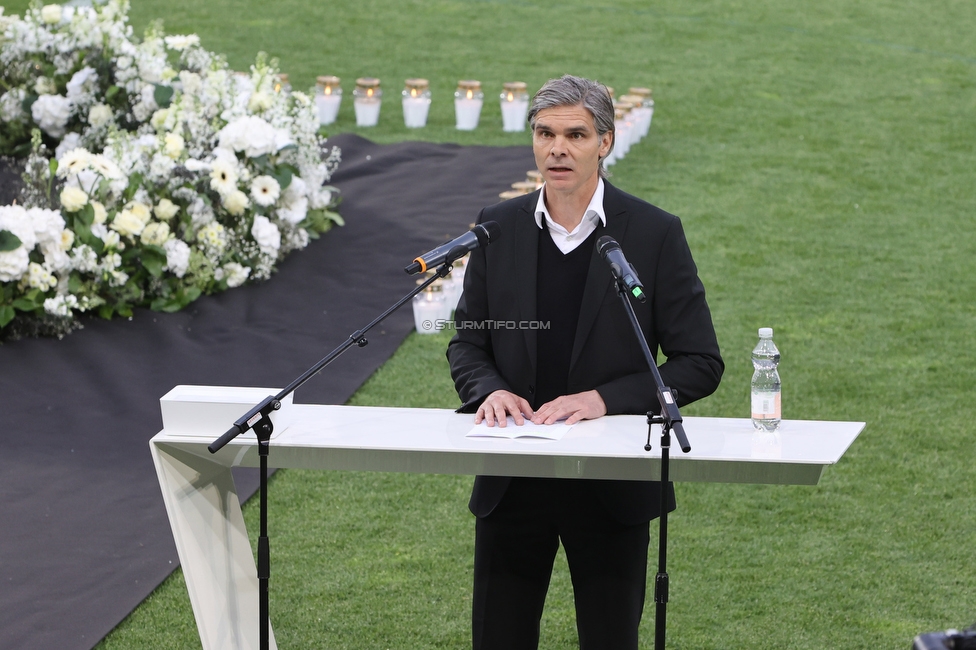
(468, 101)
(416, 97)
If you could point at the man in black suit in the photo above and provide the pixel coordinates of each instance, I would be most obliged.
(585, 363)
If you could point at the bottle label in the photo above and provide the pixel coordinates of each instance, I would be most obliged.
(766, 405)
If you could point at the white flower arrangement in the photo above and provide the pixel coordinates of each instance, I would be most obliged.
(223, 175)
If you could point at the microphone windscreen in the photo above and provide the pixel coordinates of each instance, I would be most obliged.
(606, 244)
(492, 230)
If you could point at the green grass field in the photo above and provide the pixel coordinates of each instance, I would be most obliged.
(821, 156)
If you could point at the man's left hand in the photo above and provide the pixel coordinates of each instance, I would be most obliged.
(580, 406)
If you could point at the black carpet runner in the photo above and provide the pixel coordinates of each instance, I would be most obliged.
(84, 536)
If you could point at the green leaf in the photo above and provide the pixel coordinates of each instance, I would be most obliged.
(163, 95)
(26, 304)
(283, 174)
(6, 315)
(82, 231)
(87, 214)
(9, 241)
(75, 284)
(261, 162)
(109, 94)
(154, 259)
(52, 166)
(28, 102)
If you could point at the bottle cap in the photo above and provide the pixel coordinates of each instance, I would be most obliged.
(765, 332)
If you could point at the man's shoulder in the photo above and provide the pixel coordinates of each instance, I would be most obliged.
(511, 208)
(616, 201)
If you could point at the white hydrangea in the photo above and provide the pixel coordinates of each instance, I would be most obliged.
(51, 113)
(252, 135)
(177, 256)
(70, 142)
(11, 105)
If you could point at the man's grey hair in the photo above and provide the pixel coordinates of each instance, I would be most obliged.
(577, 91)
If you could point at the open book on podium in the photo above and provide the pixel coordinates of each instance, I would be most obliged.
(205, 514)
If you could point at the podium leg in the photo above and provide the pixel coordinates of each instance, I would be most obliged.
(211, 539)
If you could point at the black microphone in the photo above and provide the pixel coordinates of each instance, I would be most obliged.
(609, 249)
(481, 235)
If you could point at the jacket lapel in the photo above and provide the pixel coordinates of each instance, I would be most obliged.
(526, 266)
(599, 280)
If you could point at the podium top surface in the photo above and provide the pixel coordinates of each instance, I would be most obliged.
(435, 441)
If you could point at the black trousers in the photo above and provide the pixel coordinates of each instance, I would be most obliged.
(514, 551)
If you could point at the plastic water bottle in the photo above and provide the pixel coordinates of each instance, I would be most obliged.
(766, 407)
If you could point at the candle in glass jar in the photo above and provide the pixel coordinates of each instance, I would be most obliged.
(515, 106)
(647, 107)
(429, 306)
(468, 99)
(328, 96)
(416, 103)
(367, 98)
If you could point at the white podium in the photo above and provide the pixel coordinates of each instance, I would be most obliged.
(205, 513)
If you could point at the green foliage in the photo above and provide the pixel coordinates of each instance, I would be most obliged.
(8, 241)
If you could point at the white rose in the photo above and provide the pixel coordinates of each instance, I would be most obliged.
(166, 209)
(51, 112)
(132, 220)
(266, 234)
(236, 202)
(236, 274)
(100, 214)
(99, 115)
(173, 145)
(155, 234)
(73, 199)
(295, 212)
(51, 14)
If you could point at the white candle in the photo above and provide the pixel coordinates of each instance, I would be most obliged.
(513, 114)
(367, 111)
(328, 106)
(467, 111)
(415, 111)
(428, 308)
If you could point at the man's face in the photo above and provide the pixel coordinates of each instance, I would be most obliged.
(567, 148)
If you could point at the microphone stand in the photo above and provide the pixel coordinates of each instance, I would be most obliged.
(670, 420)
(258, 418)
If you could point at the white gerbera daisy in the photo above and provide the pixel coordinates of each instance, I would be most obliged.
(73, 162)
(223, 177)
(106, 168)
(265, 190)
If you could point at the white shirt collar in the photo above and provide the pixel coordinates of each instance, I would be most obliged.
(593, 211)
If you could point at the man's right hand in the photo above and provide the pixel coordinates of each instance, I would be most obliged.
(499, 405)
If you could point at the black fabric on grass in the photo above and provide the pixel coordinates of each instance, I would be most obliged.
(85, 536)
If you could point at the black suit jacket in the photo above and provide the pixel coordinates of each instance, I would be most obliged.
(500, 285)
